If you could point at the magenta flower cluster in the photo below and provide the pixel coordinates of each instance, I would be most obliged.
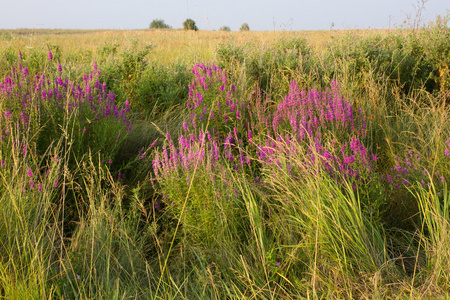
(409, 170)
(211, 99)
(197, 150)
(304, 122)
(311, 114)
(29, 97)
(310, 120)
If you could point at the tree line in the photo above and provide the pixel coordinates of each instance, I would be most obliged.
(190, 24)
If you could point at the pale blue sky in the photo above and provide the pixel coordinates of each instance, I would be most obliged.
(212, 14)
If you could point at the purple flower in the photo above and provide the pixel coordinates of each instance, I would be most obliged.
(278, 264)
(50, 55)
(30, 172)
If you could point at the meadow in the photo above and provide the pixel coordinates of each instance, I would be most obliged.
(168, 164)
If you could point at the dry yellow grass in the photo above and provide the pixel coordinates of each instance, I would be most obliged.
(170, 45)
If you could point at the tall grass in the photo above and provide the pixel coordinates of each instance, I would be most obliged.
(258, 167)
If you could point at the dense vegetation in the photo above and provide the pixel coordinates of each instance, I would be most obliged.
(189, 24)
(159, 24)
(276, 170)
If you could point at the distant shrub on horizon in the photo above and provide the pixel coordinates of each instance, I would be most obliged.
(189, 24)
(225, 28)
(244, 27)
(159, 24)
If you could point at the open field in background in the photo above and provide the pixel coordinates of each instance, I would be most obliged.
(173, 164)
(170, 45)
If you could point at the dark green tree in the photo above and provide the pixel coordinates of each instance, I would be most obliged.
(159, 24)
(245, 27)
(189, 24)
(225, 28)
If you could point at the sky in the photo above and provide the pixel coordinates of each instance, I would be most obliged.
(261, 15)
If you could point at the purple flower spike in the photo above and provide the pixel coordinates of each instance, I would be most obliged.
(50, 55)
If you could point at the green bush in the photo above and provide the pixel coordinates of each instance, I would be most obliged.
(271, 67)
(122, 70)
(162, 87)
(244, 27)
(401, 59)
(189, 24)
(159, 24)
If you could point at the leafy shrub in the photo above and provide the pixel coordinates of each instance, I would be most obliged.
(405, 60)
(160, 88)
(224, 28)
(270, 66)
(122, 72)
(159, 24)
(434, 39)
(189, 24)
(244, 27)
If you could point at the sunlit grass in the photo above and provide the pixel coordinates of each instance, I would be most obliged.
(303, 167)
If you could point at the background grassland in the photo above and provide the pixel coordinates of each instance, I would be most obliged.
(167, 164)
(170, 45)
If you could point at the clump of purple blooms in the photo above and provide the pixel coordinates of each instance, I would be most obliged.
(50, 99)
(409, 170)
(212, 101)
(323, 125)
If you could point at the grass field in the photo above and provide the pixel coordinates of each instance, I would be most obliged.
(167, 164)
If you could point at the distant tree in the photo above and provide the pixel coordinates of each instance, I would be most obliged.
(244, 27)
(225, 28)
(189, 24)
(159, 24)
